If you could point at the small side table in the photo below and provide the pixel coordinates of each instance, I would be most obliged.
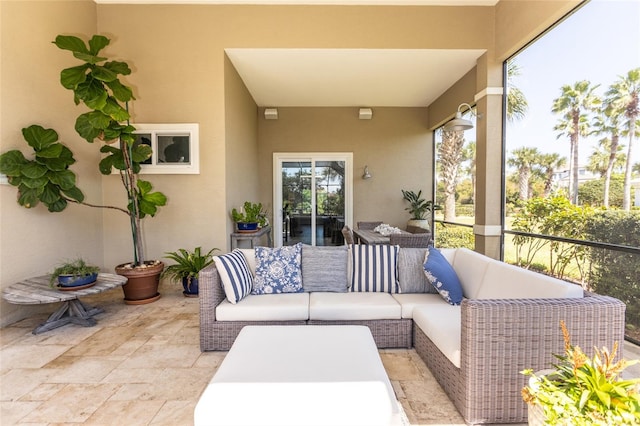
(37, 291)
(253, 237)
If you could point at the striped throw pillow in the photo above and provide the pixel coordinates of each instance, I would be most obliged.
(235, 275)
(374, 268)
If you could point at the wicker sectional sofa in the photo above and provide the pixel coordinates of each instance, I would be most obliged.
(509, 320)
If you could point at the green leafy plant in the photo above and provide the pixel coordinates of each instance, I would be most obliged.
(418, 207)
(250, 213)
(78, 268)
(47, 178)
(585, 391)
(95, 83)
(188, 264)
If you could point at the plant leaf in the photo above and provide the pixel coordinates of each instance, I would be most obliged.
(120, 91)
(51, 151)
(38, 137)
(58, 206)
(103, 74)
(85, 129)
(50, 195)
(70, 78)
(74, 193)
(97, 43)
(28, 197)
(65, 179)
(71, 43)
(11, 162)
(34, 170)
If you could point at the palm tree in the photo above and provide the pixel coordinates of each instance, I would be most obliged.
(549, 163)
(624, 95)
(469, 154)
(524, 159)
(607, 123)
(573, 105)
(517, 104)
(450, 157)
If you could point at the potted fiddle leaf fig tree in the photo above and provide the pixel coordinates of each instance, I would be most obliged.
(47, 178)
(95, 83)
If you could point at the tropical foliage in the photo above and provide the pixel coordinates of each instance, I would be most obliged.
(585, 391)
(188, 264)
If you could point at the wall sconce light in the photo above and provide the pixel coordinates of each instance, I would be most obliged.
(365, 114)
(271, 113)
(459, 123)
(366, 174)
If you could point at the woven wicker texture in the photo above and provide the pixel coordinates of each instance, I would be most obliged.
(347, 233)
(500, 338)
(410, 240)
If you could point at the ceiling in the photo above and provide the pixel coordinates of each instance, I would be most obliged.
(346, 77)
(350, 77)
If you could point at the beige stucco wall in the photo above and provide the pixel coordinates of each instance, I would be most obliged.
(396, 144)
(180, 74)
(34, 240)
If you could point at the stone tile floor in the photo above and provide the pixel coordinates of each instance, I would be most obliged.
(142, 365)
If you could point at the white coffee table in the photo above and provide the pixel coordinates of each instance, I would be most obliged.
(300, 375)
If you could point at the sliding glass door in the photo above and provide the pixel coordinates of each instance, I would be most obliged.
(312, 197)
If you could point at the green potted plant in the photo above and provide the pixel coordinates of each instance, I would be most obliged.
(47, 178)
(418, 208)
(583, 391)
(250, 217)
(74, 274)
(187, 267)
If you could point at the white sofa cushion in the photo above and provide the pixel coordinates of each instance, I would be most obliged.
(442, 325)
(408, 301)
(353, 306)
(266, 307)
(470, 267)
(504, 281)
(250, 255)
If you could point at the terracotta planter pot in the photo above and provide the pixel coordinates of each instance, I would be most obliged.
(142, 285)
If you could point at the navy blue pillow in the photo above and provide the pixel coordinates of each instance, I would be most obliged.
(442, 276)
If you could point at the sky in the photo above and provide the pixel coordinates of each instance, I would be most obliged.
(599, 43)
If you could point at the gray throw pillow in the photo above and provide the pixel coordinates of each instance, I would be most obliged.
(324, 268)
(411, 272)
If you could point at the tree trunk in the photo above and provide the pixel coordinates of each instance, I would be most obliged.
(626, 201)
(607, 175)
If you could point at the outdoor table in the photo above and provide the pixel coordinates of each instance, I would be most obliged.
(369, 236)
(37, 291)
(252, 236)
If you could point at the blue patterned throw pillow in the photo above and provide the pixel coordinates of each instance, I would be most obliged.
(235, 275)
(442, 276)
(278, 270)
(374, 268)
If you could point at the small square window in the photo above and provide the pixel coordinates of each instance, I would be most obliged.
(175, 148)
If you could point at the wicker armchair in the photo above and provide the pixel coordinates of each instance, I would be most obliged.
(368, 225)
(347, 233)
(410, 240)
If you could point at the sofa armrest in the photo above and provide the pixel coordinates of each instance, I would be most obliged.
(211, 294)
(502, 337)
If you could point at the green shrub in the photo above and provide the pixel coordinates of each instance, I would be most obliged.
(451, 236)
(615, 273)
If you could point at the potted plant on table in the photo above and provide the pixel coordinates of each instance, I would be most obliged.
(418, 208)
(47, 178)
(187, 267)
(74, 274)
(250, 217)
(583, 391)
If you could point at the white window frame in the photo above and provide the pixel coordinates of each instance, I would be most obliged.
(161, 130)
(279, 157)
